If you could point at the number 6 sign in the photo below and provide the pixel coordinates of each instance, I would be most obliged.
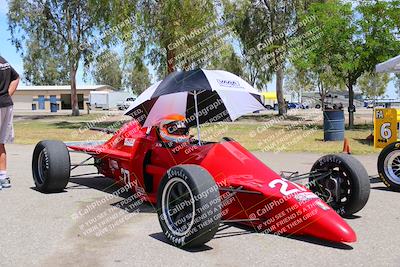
(385, 127)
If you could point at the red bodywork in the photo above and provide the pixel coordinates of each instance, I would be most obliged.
(264, 200)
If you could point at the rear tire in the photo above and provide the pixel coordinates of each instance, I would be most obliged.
(347, 188)
(389, 166)
(188, 206)
(51, 166)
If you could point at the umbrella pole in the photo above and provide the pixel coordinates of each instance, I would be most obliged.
(197, 116)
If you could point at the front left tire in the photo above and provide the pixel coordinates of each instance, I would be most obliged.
(188, 206)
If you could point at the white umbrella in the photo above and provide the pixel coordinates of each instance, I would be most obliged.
(391, 65)
(200, 95)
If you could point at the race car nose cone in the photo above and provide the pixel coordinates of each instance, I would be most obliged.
(332, 229)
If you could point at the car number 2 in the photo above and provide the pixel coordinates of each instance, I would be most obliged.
(284, 186)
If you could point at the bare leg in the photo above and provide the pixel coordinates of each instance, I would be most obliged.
(3, 158)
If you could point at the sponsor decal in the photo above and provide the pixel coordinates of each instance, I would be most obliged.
(305, 196)
(379, 114)
(229, 83)
(322, 205)
(129, 141)
(4, 66)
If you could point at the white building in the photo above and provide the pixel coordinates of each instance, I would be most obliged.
(42, 96)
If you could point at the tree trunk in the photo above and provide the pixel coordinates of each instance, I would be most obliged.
(74, 96)
(279, 92)
(170, 60)
(322, 95)
(351, 106)
(300, 96)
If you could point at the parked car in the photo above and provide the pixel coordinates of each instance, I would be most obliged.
(126, 103)
(269, 107)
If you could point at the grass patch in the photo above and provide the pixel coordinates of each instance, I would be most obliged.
(254, 136)
(289, 139)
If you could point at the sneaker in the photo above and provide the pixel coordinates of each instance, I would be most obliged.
(5, 183)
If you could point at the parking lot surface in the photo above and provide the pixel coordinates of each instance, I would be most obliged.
(54, 229)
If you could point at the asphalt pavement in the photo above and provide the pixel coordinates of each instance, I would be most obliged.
(64, 229)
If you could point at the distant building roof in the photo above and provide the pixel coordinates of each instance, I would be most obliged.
(63, 87)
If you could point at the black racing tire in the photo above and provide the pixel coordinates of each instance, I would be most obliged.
(351, 179)
(51, 166)
(389, 166)
(195, 218)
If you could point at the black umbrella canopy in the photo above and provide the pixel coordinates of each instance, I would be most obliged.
(220, 96)
(183, 81)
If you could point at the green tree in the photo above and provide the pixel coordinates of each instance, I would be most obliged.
(265, 28)
(227, 60)
(397, 85)
(107, 69)
(299, 81)
(44, 66)
(168, 33)
(354, 40)
(372, 84)
(138, 78)
(311, 78)
(64, 27)
(248, 24)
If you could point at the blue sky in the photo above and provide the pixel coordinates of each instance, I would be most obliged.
(8, 51)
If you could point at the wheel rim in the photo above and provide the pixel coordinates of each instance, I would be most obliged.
(392, 166)
(343, 185)
(178, 206)
(42, 167)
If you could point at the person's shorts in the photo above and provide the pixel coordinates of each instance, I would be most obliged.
(6, 125)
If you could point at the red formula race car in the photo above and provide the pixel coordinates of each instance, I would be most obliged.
(197, 185)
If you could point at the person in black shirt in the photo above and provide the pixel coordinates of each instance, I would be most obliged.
(9, 80)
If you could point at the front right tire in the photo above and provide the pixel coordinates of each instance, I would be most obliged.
(344, 183)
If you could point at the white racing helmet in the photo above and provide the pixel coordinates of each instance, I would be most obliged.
(174, 128)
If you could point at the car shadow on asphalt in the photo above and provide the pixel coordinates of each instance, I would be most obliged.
(161, 237)
(307, 239)
(107, 185)
(316, 241)
(46, 193)
(382, 188)
(375, 180)
(100, 183)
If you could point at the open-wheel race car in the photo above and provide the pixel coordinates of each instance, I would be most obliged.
(198, 185)
(386, 134)
(389, 166)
